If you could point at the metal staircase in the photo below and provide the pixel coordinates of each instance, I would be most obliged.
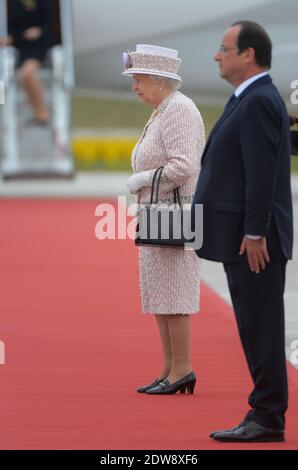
(27, 149)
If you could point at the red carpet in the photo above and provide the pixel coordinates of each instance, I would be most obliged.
(77, 347)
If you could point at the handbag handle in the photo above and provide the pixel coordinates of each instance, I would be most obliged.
(153, 183)
(157, 174)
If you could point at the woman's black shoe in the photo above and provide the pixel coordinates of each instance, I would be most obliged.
(187, 384)
(147, 387)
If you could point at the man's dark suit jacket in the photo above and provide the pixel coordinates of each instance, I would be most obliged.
(244, 184)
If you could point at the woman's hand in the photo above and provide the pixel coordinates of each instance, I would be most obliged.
(32, 34)
(139, 181)
(6, 41)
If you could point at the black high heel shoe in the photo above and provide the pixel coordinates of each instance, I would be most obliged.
(147, 387)
(186, 384)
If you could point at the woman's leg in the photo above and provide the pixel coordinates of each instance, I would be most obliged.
(33, 86)
(163, 327)
(179, 330)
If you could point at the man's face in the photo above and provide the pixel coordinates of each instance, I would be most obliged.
(230, 62)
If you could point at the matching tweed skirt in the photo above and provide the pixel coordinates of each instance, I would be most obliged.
(169, 280)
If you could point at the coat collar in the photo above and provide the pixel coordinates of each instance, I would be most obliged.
(261, 81)
(163, 105)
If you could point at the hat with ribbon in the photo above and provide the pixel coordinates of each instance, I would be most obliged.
(152, 60)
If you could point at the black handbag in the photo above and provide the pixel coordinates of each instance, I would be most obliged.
(162, 225)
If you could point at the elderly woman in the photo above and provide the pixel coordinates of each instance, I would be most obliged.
(174, 138)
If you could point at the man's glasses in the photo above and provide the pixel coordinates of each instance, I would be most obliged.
(224, 49)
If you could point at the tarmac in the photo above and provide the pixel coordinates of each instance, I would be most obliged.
(103, 184)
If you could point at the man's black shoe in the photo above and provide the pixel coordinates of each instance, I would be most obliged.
(249, 432)
(232, 429)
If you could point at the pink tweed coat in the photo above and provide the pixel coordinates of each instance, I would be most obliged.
(174, 137)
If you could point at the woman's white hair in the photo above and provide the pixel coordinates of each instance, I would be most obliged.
(171, 82)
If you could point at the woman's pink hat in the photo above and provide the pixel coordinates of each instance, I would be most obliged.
(152, 60)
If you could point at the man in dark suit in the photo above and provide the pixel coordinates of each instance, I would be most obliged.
(244, 186)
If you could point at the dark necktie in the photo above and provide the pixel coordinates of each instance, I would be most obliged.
(230, 103)
(228, 107)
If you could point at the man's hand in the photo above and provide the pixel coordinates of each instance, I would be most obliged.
(257, 254)
(32, 34)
